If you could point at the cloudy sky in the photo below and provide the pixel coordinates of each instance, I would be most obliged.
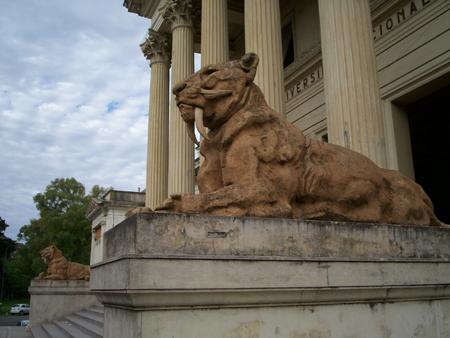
(74, 90)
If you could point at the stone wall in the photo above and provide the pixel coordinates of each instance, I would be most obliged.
(53, 299)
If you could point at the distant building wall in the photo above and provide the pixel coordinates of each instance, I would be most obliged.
(108, 211)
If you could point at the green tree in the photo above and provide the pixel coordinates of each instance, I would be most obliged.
(62, 222)
(18, 276)
(98, 192)
(62, 208)
(4, 241)
(7, 247)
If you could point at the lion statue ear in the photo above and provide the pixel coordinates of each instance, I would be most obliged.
(249, 63)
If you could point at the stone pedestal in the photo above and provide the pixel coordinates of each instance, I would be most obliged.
(172, 275)
(53, 299)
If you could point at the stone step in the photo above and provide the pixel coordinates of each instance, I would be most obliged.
(38, 332)
(53, 331)
(90, 317)
(98, 311)
(85, 324)
(92, 330)
(70, 330)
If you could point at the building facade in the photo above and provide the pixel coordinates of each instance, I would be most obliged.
(108, 211)
(373, 76)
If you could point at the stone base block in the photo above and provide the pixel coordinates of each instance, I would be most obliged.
(53, 299)
(170, 275)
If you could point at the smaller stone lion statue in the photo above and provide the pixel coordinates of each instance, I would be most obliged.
(60, 268)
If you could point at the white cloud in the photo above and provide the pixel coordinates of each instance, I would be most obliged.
(73, 99)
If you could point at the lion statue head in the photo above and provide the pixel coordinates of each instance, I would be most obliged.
(212, 95)
(50, 253)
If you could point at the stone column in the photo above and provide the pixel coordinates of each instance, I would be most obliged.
(215, 47)
(214, 32)
(157, 49)
(178, 13)
(352, 93)
(263, 37)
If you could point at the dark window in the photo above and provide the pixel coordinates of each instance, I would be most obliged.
(288, 44)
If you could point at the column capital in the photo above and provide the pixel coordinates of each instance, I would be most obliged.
(178, 13)
(157, 47)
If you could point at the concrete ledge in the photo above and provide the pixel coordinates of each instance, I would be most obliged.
(200, 235)
(212, 299)
(59, 287)
(178, 274)
(53, 299)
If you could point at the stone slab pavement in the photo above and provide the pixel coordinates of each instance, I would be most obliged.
(14, 332)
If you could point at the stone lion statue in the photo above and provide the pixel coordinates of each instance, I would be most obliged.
(60, 268)
(258, 164)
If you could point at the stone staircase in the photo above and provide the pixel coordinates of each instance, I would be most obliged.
(85, 324)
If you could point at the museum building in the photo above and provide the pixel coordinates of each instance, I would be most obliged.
(372, 76)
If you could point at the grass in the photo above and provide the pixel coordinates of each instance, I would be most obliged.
(7, 304)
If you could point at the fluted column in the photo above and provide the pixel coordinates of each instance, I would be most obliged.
(352, 93)
(157, 49)
(215, 48)
(178, 13)
(214, 32)
(263, 37)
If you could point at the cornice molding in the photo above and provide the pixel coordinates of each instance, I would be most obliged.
(302, 59)
(375, 3)
(133, 6)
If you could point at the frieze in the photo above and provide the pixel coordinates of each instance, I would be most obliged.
(305, 83)
(397, 17)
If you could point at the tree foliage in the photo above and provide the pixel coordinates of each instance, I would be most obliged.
(7, 246)
(62, 222)
(5, 242)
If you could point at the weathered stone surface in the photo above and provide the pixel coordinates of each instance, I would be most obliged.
(53, 299)
(132, 211)
(179, 259)
(258, 164)
(185, 234)
(400, 319)
(181, 275)
(60, 268)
